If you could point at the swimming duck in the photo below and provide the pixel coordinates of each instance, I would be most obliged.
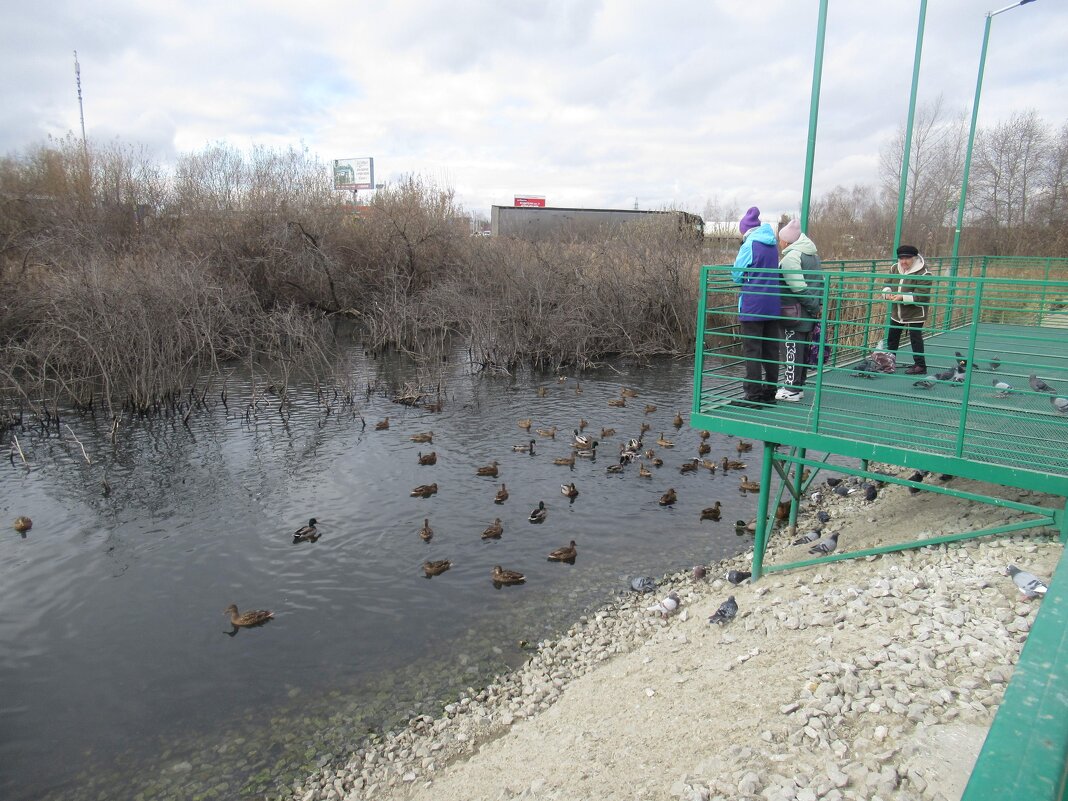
(436, 568)
(628, 393)
(527, 448)
(547, 432)
(494, 530)
(706, 434)
(690, 466)
(424, 490)
(578, 388)
(538, 515)
(649, 408)
(617, 467)
(565, 554)
(664, 443)
(607, 432)
(502, 576)
(502, 495)
(644, 472)
(643, 428)
(668, 498)
(569, 461)
(633, 445)
(306, 533)
(711, 512)
(743, 446)
(254, 617)
(428, 459)
(782, 511)
(749, 486)
(582, 440)
(542, 392)
(570, 490)
(709, 464)
(382, 425)
(525, 424)
(657, 461)
(426, 436)
(617, 402)
(677, 420)
(588, 453)
(703, 449)
(582, 424)
(426, 532)
(734, 464)
(488, 470)
(23, 524)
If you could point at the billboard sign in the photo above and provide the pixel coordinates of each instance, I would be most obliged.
(354, 174)
(530, 201)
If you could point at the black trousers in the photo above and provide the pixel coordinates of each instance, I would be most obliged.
(915, 338)
(760, 347)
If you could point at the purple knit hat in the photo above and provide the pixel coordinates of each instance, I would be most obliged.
(790, 232)
(750, 220)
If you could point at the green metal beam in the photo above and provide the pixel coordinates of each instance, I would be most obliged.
(813, 113)
(908, 126)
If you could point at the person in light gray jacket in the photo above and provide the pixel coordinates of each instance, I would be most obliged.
(802, 280)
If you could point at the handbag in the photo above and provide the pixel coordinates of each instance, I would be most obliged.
(790, 314)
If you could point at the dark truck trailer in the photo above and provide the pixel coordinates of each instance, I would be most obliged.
(534, 223)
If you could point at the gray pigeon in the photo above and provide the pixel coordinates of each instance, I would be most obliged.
(805, 539)
(995, 363)
(923, 383)
(946, 375)
(667, 606)
(1059, 404)
(870, 492)
(1003, 388)
(737, 576)
(844, 489)
(1038, 385)
(823, 516)
(643, 584)
(826, 545)
(1030, 585)
(726, 612)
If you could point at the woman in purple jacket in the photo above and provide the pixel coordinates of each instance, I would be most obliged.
(756, 270)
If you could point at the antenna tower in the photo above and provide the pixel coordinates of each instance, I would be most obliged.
(81, 111)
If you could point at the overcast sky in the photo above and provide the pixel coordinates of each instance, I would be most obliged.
(591, 104)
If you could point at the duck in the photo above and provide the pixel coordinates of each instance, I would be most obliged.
(494, 530)
(524, 448)
(542, 392)
(644, 472)
(657, 461)
(749, 486)
(588, 453)
(649, 408)
(547, 432)
(428, 459)
(782, 511)
(561, 379)
(565, 554)
(677, 420)
(711, 512)
(607, 432)
(382, 425)
(426, 533)
(307, 533)
(668, 498)
(618, 402)
(643, 428)
(488, 470)
(741, 528)
(709, 464)
(524, 423)
(617, 467)
(625, 455)
(568, 461)
(743, 446)
(626, 392)
(436, 567)
(633, 445)
(502, 576)
(582, 424)
(502, 495)
(706, 434)
(733, 464)
(664, 443)
(703, 449)
(23, 524)
(254, 617)
(426, 436)
(570, 490)
(424, 490)
(539, 514)
(690, 466)
(582, 440)
(578, 388)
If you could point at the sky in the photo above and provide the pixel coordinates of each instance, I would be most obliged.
(600, 104)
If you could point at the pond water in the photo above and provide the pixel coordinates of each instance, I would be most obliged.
(119, 669)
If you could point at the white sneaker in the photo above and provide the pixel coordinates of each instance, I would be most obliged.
(786, 395)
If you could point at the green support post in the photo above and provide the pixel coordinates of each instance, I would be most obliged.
(813, 113)
(908, 126)
(760, 542)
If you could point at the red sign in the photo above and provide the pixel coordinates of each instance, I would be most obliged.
(530, 201)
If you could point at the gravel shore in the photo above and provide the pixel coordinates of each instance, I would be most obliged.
(864, 679)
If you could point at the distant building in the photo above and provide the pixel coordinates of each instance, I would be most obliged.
(534, 223)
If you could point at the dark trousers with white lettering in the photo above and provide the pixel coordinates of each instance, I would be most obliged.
(795, 363)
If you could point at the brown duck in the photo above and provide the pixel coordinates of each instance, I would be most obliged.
(743, 446)
(426, 532)
(488, 470)
(426, 436)
(502, 495)
(502, 576)
(436, 568)
(711, 512)
(255, 617)
(382, 425)
(23, 524)
(494, 530)
(749, 486)
(668, 498)
(428, 459)
(565, 554)
(424, 490)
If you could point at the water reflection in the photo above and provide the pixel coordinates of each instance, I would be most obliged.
(112, 610)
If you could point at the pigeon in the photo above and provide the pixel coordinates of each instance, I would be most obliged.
(643, 584)
(737, 576)
(823, 516)
(844, 489)
(833, 482)
(1030, 585)
(917, 477)
(945, 477)
(1003, 388)
(699, 572)
(1059, 404)
(868, 376)
(826, 545)
(667, 606)
(923, 383)
(1038, 385)
(726, 612)
(870, 493)
(995, 363)
(811, 536)
(946, 375)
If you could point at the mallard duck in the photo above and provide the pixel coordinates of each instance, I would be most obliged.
(424, 490)
(428, 459)
(607, 432)
(668, 498)
(709, 464)
(568, 461)
(734, 464)
(644, 472)
(524, 424)
(626, 392)
(426, 436)
(547, 432)
(582, 424)
(426, 532)
(649, 408)
(488, 470)
(663, 442)
(542, 392)
(706, 434)
(565, 554)
(617, 402)
(588, 453)
(643, 428)
(561, 379)
(494, 530)
(657, 461)
(703, 449)
(749, 486)
(382, 425)
(743, 446)
(527, 448)
(690, 466)
(633, 445)
(617, 467)
(436, 568)
(539, 514)
(741, 528)
(307, 533)
(578, 388)
(570, 490)
(677, 420)
(502, 495)
(23, 524)
(502, 576)
(711, 512)
(649, 453)
(582, 440)
(255, 617)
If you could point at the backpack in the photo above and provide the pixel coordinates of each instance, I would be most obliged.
(883, 362)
